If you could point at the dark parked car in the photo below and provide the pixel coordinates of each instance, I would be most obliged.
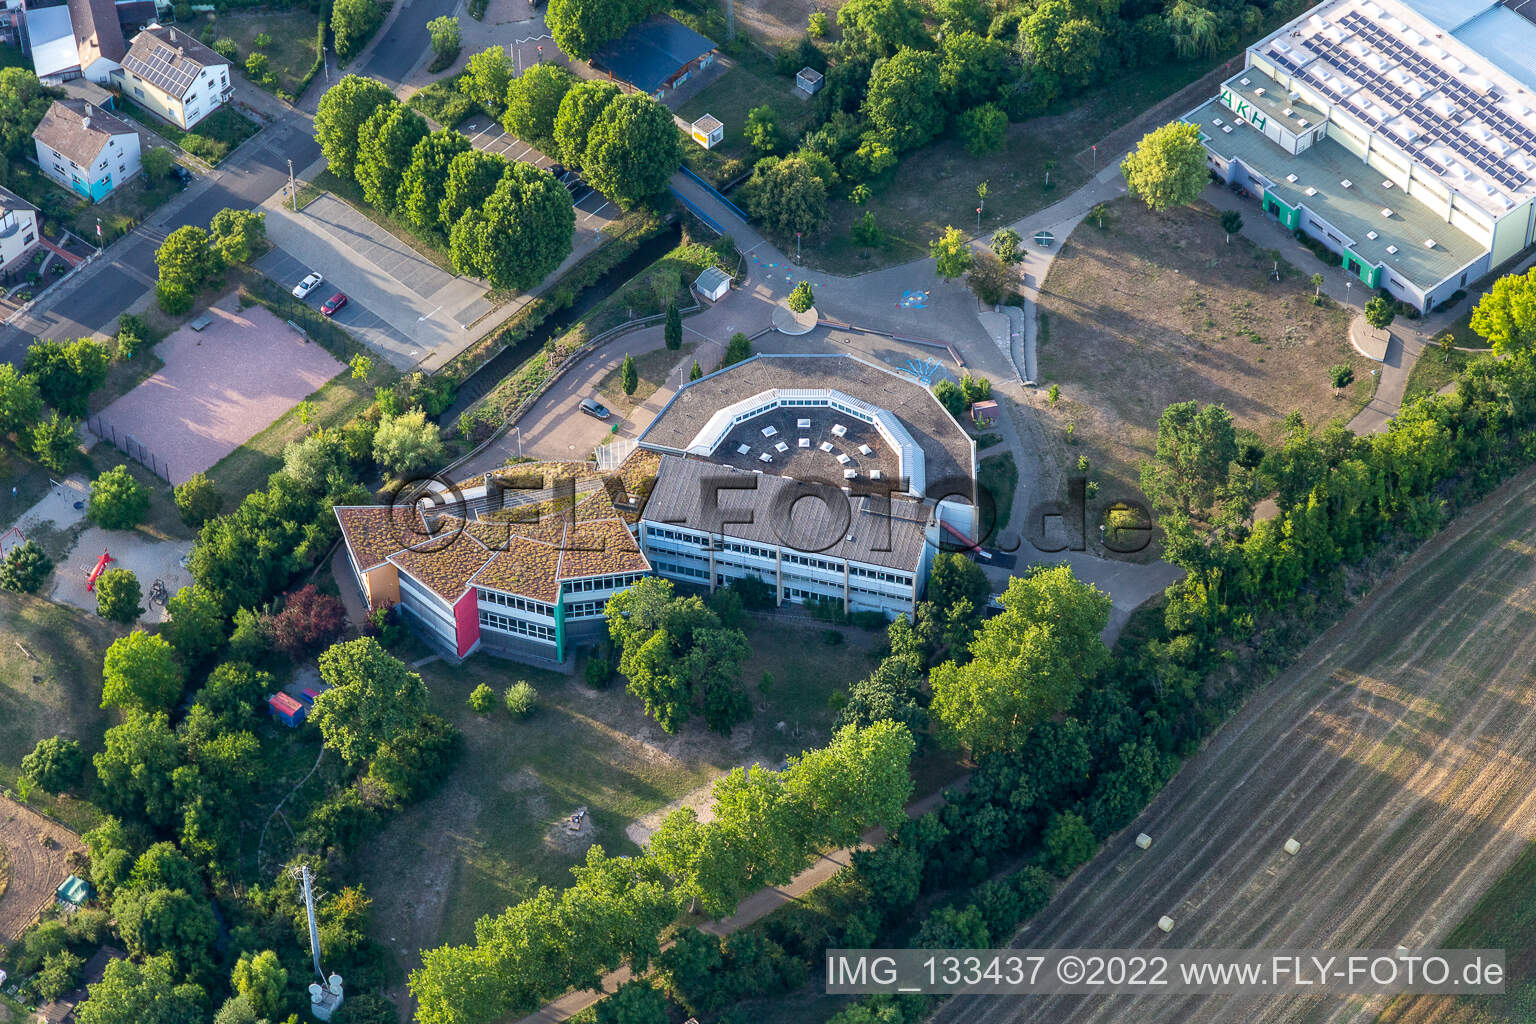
(332, 304)
(594, 408)
(181, 174)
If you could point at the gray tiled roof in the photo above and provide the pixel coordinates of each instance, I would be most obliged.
(12, 202)
(169, 59)
(97, 30)
(947, 449)
(63, 129)
(892, 537)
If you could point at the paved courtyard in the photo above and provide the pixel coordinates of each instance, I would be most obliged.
(218, 388)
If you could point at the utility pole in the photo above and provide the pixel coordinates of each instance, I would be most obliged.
(292, 189)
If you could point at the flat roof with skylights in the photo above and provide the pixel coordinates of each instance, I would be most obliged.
(1448, 107)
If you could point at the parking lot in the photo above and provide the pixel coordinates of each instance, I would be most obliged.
(399, 302)
(593, 210)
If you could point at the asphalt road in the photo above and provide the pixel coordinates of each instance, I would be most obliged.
(398, 51)
(253, 173)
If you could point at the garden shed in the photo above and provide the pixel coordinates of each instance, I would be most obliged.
(707, 131)
(713, 283)
(810, 81)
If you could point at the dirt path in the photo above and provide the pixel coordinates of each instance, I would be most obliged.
(1397, 751)
(36, 867)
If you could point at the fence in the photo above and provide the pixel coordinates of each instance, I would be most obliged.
(131, 447)
(709, 221)
(707, 187)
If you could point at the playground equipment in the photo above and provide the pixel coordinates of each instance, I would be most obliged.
(157, 593)
(101, 565)
(10, 540)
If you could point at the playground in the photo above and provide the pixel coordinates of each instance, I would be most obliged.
(149, 559)
(227, 376)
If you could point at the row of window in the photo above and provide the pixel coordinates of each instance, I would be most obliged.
(749, 549)
(678, 535)
(905, 579)
(812, 562)
(585, 609)
(504, 624)
(619, 582)
(522, 604)
(427, 606)
(675, 569)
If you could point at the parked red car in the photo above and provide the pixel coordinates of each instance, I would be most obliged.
(332, 304)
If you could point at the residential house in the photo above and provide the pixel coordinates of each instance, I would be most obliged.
(81, 39)
(166, 70)
(86, 149)
(18, 229)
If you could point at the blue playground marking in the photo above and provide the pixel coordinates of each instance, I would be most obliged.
(923, 369)
(911, 299)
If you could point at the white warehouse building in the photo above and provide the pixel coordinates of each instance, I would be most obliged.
(1401, 134)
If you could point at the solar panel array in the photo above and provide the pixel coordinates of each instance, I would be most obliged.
(1435, 126)
(165, 69)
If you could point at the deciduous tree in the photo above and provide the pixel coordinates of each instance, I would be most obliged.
(472, 177)
(983, 129)
(951, 252)
(140, 672)
(1167, 168)
(486, 77)
(118, 596)
(533, 103)
(373, 698)
(238, 236)
(117, 501)
(142, 993)
(384, 147)
(341, 114)
(138, 757)
(55, 441)
(905, 98)
(197, 499)
(196, 627)
(353, 22)
(787, 194)
(579, 111)
(406, 443)
(423, 186)
(66, 374)
(56, 764)
(261, 979)
(1193, 458)
(1027, 663)
(522, 232)
(632, 150)
(21, 403)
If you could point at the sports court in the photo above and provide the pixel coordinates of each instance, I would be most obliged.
(219, 387)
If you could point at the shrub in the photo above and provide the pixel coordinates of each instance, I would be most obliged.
(522, 699)
(117, 501)
(802, 298)
(132, 333)
(482, 698)
(25, 568)
(598, 672)
(197, 499)
(56, 764)
(983, 129)
(1341, 375)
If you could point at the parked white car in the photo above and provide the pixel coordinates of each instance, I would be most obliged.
(304, 287)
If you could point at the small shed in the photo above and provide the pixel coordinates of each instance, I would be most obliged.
(983, 413)
(707, 131)
(713, 283)
(286, 709)
(74, 891)
(809, 81)
(308, 695)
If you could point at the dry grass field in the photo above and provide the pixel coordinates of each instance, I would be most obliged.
(1159, 308)
(1398, 751)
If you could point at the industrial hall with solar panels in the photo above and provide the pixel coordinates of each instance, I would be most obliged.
(1401, 134)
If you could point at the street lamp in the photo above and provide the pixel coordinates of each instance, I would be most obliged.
(294, 191)
(1095, 160)
(797, 247)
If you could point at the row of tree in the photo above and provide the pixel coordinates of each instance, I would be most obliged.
(767, 826)
(191, 259)
(508, 222)
(626, 145)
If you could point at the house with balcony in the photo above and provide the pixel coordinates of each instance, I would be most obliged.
(19, 230)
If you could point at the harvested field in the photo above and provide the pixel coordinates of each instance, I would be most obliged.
(218, 388)
(1398, 751)
(37, 852)
(1158, 308)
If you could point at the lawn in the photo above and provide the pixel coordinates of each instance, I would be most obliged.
(119, 213)
(999, 479)
(486, 840)
(211, 139)
(1156, 309)
(50, 685)
(1433, 371)
(652, 368)
(291, 51)
(749, 83)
